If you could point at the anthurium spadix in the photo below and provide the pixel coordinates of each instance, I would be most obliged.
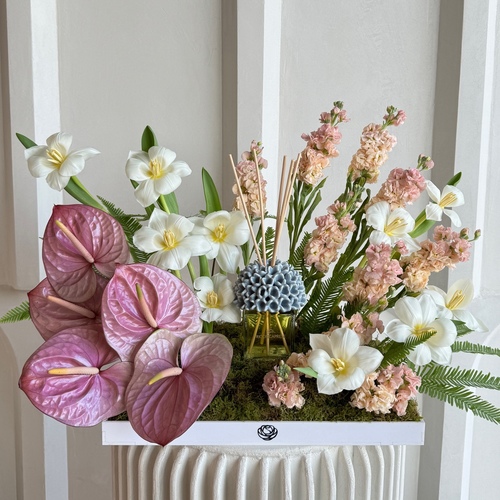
(51, 314)
(65, 378)
(164, 398)
(140, 299)
(79, 241)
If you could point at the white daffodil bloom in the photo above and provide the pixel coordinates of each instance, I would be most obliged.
(341, 363)
(390, 226)
(216, 297)
(168, 238)
(415, 316)
(452, 305)
(225, 231)
(56, 162)
(156, 172)
(450, 197)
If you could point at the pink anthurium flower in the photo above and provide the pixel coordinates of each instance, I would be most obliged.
(164, 399)
(141, 298)
(79, 241)
(64, 378)
(51, 314)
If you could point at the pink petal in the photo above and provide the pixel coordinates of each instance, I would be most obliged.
(50, 318)
(171, 302)
(163, 411)
(71, 275)
(77, 400)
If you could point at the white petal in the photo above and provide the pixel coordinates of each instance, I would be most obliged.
(72, 165)
(204, 284)
(345, 343)
(86, 153)
(57, 181)
(166, 156)
(411, 243)
(148, 240)
(433, 192)
(320, 341)
(458, 194)
(137, 167)
(167, 184)
(438, 295)
(40, 151)
(377, 214)
(237, 229)
(145, 193)
(379, 238)
(174, 259)
(224, 291)
(228, 257)
(368, 359)
(441, 355)
(455, 219)
(211, 314)
(409, 311)
(433, 212)
(231, 313)
(180, 226)
(428, 308)
(213, 219)
(409, 222)
(320, 361)
(446, 333)
(352, 381)
(40, 166)
(469, 320)
(327, 384)
(421, 355)
(397, 331)
(61, 142)
(180, 168)
(159, 220)
(198, 245)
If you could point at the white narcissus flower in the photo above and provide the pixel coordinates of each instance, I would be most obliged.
(452, 305)
(341, 363)
(414, 316)
(225, 231)
(156, 172)
(389, 227)
(167, 238)
(216, 297)
(56, 162)
(450, 197)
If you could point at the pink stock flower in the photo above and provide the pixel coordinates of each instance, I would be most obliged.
(372, 397)
(283, 386)
(402, 187)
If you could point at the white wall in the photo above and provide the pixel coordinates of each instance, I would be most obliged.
(191, 70)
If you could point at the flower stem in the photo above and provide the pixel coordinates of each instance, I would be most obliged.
(204, 270)
(208, 327)
(191, 270)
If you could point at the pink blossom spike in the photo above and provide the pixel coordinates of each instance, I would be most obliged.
(77, 240)
(51, 314)
(169, 300)
(64, 378)
(162, 411)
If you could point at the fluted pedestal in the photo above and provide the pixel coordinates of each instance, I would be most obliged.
(259, 473)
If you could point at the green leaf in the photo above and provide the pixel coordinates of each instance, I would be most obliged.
(398, 351)
(25, 141)
(18, 313)
(171, 201)
(80, 194)
(422, 228)
(130, 226)
(474, 348)
(308, 371)
(462, 328)
(455, 179)
(148, 139)
(212, 200)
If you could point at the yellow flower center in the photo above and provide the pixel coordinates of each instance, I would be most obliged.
(55, 157)
(338, 365)
(394, 225)
(169, 241)
(447, 200)
(220, 233)
(421, 330)
(456, 300)
(212, 300)
(155, 169)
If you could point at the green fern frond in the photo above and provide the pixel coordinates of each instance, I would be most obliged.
(18, 313)
(462, 398)
(474, 348)
(269, 242)
(398, 351)
(458, 377)
(130, 226)
(317, 318)
(462, 328)
(297, 255)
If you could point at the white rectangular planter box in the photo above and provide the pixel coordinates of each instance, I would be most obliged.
(278, 434)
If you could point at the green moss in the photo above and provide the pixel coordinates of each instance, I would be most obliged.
(242, 398)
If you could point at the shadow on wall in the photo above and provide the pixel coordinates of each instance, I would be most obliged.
(8, 410)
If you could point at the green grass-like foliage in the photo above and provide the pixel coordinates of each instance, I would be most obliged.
(474, 348)
(18, 313)
(451, 384)
(317, 318)
(130, 226)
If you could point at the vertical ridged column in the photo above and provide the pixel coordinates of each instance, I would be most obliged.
(253, 473)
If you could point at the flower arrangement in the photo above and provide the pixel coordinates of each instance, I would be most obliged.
(124, 332)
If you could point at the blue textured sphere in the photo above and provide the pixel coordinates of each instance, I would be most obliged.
(267, 288)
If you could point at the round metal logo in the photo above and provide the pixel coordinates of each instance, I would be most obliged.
(267, 432)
